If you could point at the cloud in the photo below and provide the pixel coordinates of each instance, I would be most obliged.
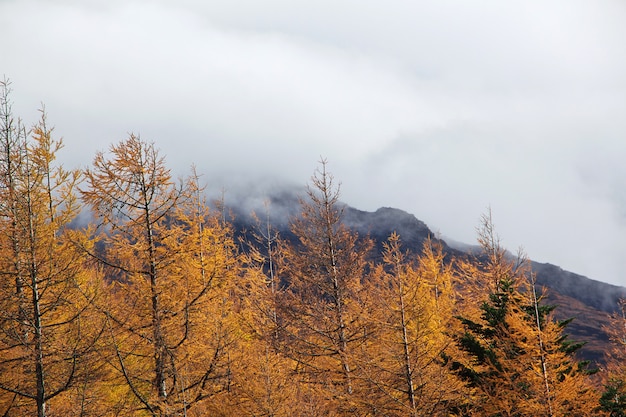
(440, 108)
(156, 69)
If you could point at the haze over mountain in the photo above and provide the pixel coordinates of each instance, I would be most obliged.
(587, 301)
(440, 108)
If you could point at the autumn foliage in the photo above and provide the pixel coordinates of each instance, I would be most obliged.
(152, 307)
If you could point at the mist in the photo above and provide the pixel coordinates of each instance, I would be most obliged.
(438, 108)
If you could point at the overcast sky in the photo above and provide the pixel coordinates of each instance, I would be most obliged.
(441, 108)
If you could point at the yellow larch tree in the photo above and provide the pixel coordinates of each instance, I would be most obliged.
(613, 398)
(324, 305)
(517, 357)
(45, 295)
(264, 383)
(171, 268)
(404, 365)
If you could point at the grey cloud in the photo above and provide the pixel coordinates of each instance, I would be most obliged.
(439, 108)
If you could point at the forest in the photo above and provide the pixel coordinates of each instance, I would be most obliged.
(153, 307)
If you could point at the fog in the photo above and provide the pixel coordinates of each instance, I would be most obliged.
(440, 108)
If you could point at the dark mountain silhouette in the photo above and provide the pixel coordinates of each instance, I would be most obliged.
(587, 301)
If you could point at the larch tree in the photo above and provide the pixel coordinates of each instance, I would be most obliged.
(518, 358)
(324, 306)
(404, 365)
(613, 398)
(45, 291)
(264, 382)
(263, 379)
(261, 252)
(170, 266)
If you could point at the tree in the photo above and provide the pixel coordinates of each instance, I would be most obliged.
(261, 263)
(518, 357)
(404, 364)
(613, 398)
(263, 381)
(324, 306)
(45, 289)
(171, 269)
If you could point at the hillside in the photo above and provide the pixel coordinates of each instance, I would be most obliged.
(588, 301)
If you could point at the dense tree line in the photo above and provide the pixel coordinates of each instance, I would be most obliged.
(153, 308)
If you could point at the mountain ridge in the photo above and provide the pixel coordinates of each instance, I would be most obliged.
(589, 302)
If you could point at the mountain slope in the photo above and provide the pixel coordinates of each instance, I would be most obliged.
(588, 301)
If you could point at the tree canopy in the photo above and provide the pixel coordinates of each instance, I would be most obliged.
(124, 293)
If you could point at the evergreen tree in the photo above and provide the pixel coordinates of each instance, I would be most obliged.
(518, 358)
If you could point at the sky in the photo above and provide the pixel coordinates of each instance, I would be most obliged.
(442, 108)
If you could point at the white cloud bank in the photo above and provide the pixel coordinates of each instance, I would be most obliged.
(440, 108)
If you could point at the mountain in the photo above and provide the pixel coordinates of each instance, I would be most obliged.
(587, 301)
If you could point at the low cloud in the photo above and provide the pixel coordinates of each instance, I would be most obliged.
(439, 108)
